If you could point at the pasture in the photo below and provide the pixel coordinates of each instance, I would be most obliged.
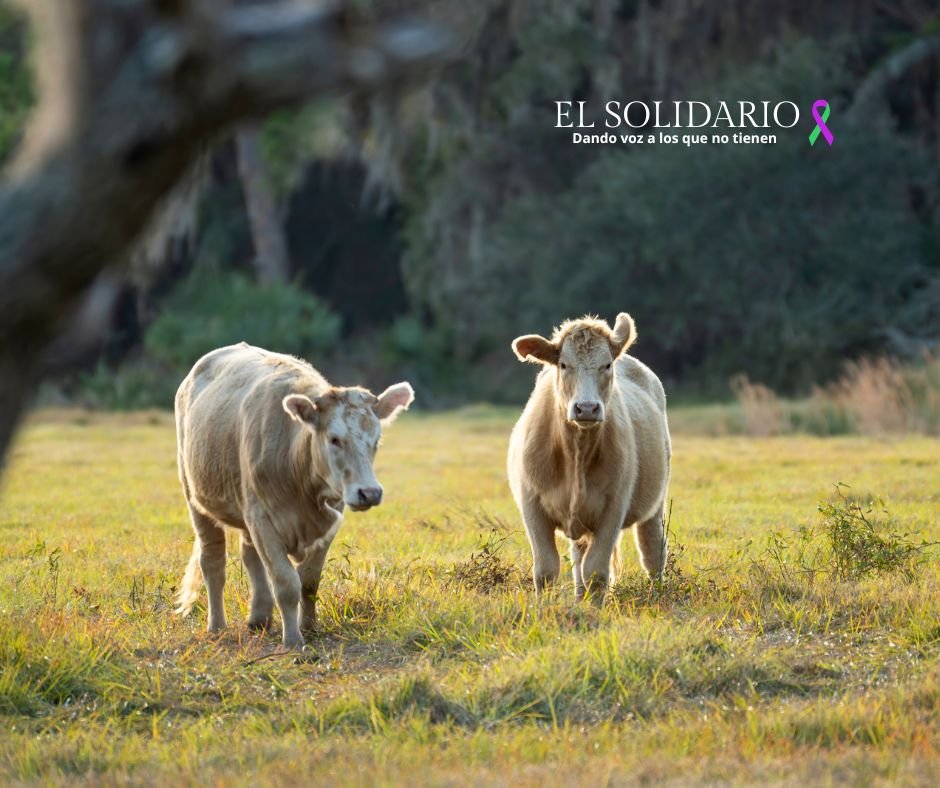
(768, 654)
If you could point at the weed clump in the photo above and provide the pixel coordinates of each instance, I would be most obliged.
(486, 571)
(859, 545)
(852, 541)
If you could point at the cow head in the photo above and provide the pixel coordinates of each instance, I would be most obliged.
(346, 424)
(582, 353)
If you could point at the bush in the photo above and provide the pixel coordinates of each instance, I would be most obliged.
(851, 541)
(133, 386)
(212, 309)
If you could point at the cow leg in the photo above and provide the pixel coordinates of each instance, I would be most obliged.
(577, 556)
(595, 567)
(310, 570)
(283, 577)
(546, 563)
(262, 602)
(650, 539)
(211, 538)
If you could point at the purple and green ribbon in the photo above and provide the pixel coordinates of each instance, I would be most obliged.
(821, 122)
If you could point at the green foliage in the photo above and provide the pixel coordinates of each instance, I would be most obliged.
(132, 386)
(16, 92)
(292, 139)
(427, 355)
(850, 542)
(765, 258)
(861, 544)
(779, 260)
(212, 309)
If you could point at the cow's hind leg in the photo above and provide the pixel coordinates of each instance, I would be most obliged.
(577, 556)
(597, 559)
(650, 539)
(262, 602)
(210, 537)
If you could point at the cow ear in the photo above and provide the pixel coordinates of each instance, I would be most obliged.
(534, 348)
(623, 335)
(393, 401)
(301, 409)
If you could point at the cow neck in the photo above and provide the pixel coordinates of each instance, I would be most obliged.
(581, 446)
(306, 461)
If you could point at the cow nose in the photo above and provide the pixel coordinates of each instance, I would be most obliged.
(369, 496)
(587, 411)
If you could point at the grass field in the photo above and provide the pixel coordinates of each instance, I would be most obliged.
(790, 659)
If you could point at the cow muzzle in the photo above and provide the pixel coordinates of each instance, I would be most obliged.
(586, 413)
(363, 498)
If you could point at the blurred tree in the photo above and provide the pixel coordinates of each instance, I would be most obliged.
(122, 117)
(510, 227)
(271, 258)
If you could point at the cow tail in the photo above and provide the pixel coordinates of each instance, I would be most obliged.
(188, 592)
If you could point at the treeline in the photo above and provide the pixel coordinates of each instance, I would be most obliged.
(418, 235)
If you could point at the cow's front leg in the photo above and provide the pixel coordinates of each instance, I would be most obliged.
(546, 563)
(595, 566)
(283, 577)
(310, 570)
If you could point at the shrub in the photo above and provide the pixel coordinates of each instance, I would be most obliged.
(853, 540)
(212, 309)
(132, 386)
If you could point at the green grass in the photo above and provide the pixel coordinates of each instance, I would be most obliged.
(756, 660)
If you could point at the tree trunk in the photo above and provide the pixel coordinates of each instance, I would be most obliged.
(130, 95)
(271, 259)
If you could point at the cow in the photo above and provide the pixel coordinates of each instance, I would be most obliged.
(590, 456)
(268, 447)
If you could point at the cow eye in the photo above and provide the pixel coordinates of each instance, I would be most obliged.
(607, 367)
(563, 366)
(334, 441)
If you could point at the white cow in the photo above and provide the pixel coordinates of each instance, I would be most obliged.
(590, 454)
(268, 447)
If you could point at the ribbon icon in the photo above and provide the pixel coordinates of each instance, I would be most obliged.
(821, 122)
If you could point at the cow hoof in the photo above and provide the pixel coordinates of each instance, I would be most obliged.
(305, 655)
(259, 623)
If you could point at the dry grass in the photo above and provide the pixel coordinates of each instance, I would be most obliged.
(873, 396)
(763, 411)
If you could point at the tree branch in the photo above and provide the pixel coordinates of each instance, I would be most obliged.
(874, 86)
